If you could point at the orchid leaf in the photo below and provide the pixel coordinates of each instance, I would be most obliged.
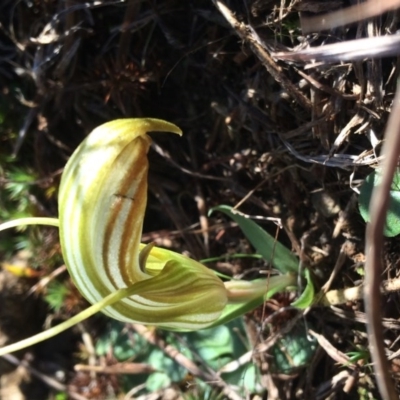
(393, 214)
(307, 297)
(270, 249)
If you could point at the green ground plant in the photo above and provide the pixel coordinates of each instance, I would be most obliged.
(393, 215)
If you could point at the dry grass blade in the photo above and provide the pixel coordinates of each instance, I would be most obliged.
(247, 33)
(369, 9)
(331, 350)
(344, 161)
(131, 14)
(374, 242)
(358, 316)
(352, 50)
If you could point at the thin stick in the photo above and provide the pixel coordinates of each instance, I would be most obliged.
(355, 293)
(49, 381)
(210, 377)
(374, 242)
(246, 33)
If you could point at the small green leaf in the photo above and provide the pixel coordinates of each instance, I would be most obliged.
(266, 245)
(56, 293)
(393, 213)
(124, 344)
(307, 297)
(213, 345)
(61, 396)
(293, 350)
(361, 354)
(169, 371)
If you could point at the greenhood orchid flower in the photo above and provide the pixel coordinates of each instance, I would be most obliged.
(102, 201)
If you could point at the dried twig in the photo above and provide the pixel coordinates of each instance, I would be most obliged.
(338, 265)
(118, 368)
(331, 350)
(246, 33)
(48, 380)
(374, 242)
(358, 316)
(342, 296)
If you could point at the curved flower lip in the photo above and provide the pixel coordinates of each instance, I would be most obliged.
(102, 201)
(181, 297)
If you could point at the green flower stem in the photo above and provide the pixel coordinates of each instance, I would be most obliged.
(245, 291)
(40, 337)
(230, 257)
(244, 297)
(30, 221)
